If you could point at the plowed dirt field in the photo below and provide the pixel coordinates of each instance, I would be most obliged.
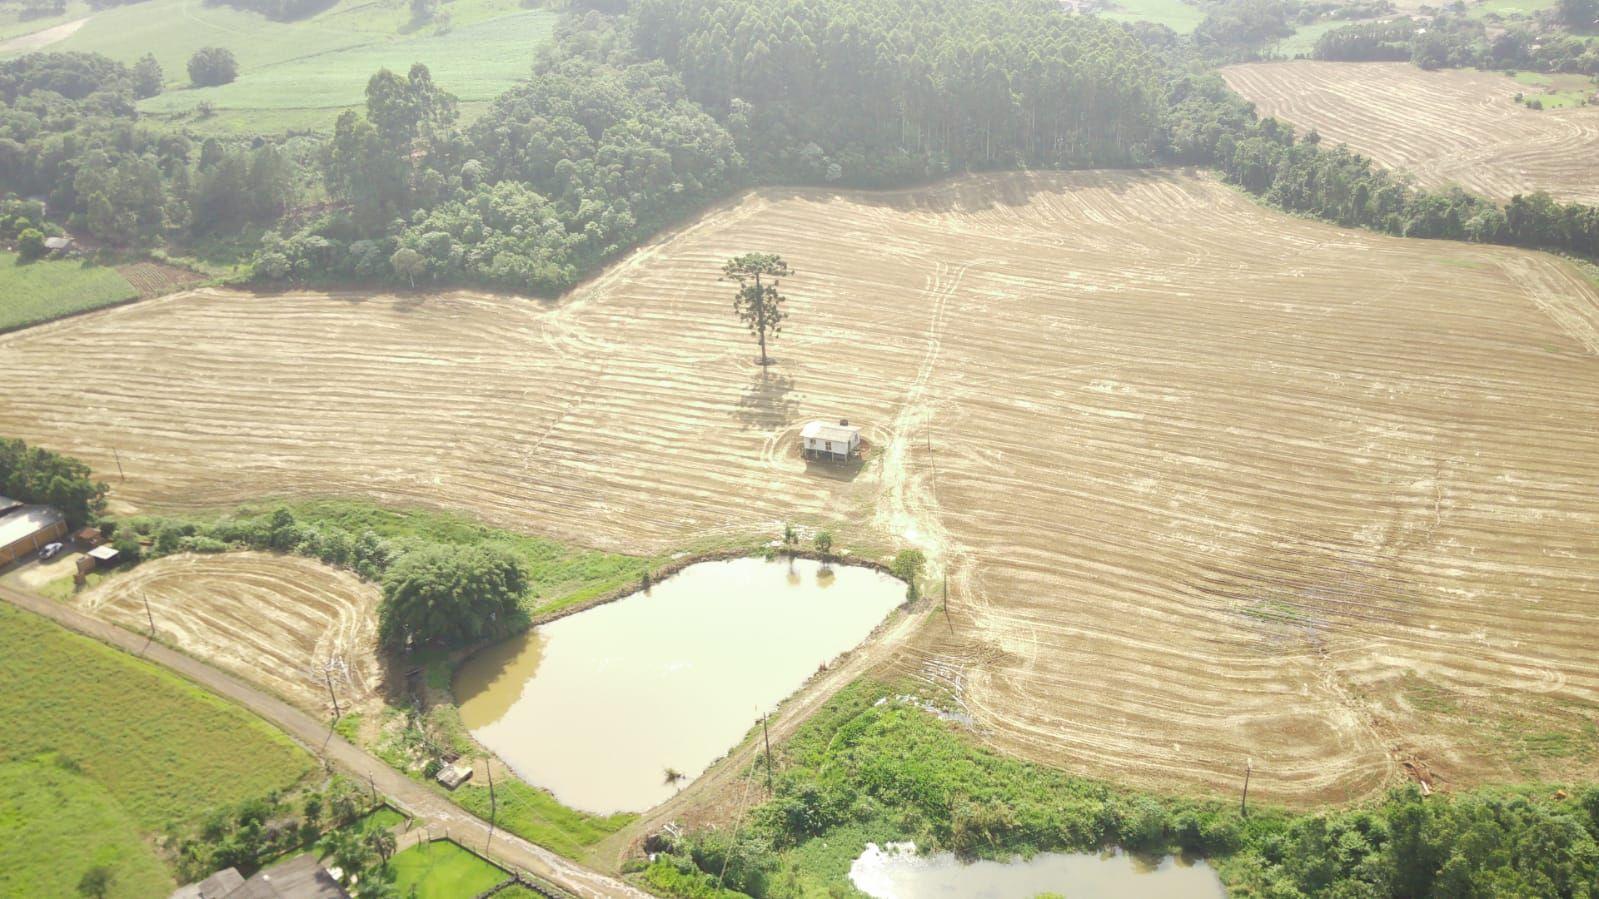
(288, 623)
(1211, 483)
(1447, 127)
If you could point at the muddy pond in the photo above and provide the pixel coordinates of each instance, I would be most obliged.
(897, 872)
(598, 706)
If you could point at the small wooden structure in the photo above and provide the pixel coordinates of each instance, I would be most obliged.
(58, 246)
(453, 775)
(831, 442)
(103, 556)
(88, 537)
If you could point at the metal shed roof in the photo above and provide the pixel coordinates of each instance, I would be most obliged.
(26, 522)
(826, 430)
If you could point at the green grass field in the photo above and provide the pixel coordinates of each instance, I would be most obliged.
(1303, 40)
(1508, 8)
(140, 750)
(476, 63)
(442, 870)
(1556, 91)
(298, 75)
(56, 824)
(534, 815)
(1174, 14)
(50, 288)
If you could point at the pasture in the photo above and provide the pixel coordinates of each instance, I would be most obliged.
(118, 750)
(50, 288)
(1445, 127)
(442, 870)
(49, 809)
(1208, 483)
(288, 623)
(298, 75)
(1177, 15)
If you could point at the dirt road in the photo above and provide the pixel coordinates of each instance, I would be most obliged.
(431, 810)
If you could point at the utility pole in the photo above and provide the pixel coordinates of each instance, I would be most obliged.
(147, 615)
(1243, 805)
(494, 805)
(768, 735)
(118, 456)
(327, 676)
(372, 785)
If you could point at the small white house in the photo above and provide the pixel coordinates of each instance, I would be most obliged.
(834, 442)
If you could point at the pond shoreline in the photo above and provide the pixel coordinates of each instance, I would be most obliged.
(675, 566)
(619, 681)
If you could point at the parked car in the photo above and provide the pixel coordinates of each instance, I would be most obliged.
(50, 551)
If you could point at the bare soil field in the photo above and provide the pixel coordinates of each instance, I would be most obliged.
(1211, 483)
(1445, 127)
(285, 622)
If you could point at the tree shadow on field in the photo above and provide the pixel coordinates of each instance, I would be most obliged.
(767, 404)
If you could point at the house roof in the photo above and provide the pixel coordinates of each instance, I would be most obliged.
(301, 877)
(103, 554)
(7, 504)
(826, 430)
(26, 522)
(57, 243)
(217, 886)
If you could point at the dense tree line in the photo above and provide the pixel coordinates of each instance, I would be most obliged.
(1235, 26)
(32, 474)
(1211, 125)
(887, 91)
(1456, 41)
(69, 132)
(567, 169)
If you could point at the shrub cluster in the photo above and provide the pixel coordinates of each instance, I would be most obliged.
(37, 475)
(872, 763)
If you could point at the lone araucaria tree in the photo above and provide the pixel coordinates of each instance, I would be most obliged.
(757, 302)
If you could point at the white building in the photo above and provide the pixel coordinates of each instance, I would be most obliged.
(836, 442)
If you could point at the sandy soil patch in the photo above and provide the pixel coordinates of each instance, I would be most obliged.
(1213, 483)
(285, 622)
(1445, 127)
(42, 38)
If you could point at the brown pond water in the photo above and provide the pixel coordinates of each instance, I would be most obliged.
(897, 872)
(596, 707)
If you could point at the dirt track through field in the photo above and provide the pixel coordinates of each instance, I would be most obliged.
(1446, 127)
(285, 622)
(1211, 483)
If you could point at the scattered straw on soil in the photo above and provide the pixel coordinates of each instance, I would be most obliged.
(1213, 483)
(286, 622)
(1445, 127)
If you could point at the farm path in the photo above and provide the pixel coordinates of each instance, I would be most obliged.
(432, 810)
(26, 43)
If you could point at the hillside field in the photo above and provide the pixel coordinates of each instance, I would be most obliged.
(1209, 483)
(1451, 127)
(298, 75)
